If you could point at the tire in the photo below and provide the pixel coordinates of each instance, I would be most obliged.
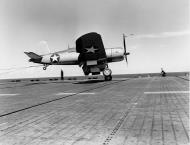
(107, 72)
(108, 78)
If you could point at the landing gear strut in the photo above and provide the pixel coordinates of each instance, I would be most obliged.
(45, 66)
(107, 74)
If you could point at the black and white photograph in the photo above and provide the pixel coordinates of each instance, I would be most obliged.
(94, 72)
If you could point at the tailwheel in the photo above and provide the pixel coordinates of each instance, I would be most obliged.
(45, 66)
(107, 74)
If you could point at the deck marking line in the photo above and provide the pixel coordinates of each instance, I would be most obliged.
(167, 92)
(62, 93)
(9, 94)
(60, 98)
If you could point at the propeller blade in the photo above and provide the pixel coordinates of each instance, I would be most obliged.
(124, 44)
(126, 59)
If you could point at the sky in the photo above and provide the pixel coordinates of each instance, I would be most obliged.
(161, 31)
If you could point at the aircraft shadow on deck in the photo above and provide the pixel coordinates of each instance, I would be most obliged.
(89, 81)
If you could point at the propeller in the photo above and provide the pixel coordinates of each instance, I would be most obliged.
(125, 51)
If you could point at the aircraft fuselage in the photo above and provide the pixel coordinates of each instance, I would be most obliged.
(71, 58)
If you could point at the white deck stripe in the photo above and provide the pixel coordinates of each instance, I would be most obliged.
(167, 92)
(62, 93)
(9, 94)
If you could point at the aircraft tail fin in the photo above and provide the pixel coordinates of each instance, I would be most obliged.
(33, 55)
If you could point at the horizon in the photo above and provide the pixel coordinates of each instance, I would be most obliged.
(181, 73)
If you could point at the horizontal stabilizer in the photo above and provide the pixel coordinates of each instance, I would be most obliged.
(33, 55)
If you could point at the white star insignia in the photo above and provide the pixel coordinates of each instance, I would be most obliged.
(54, 58)
(91, 49)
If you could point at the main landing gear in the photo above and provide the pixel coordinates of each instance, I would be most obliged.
(45, 66)
(107, 74)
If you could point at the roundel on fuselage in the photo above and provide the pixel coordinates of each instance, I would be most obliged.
(55, 58)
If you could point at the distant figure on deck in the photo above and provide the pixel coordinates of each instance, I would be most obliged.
(163, 73)
(62, 75)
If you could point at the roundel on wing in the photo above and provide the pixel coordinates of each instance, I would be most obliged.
(55, 58)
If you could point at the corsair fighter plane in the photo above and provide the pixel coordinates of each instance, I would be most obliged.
(89, 54)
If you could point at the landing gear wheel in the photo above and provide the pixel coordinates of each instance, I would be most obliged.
(45, 66)
(107, 74)
(108, 78)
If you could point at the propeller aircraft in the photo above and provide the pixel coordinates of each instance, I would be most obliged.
(89, 54)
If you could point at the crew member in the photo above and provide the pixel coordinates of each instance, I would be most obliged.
(163, 73)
